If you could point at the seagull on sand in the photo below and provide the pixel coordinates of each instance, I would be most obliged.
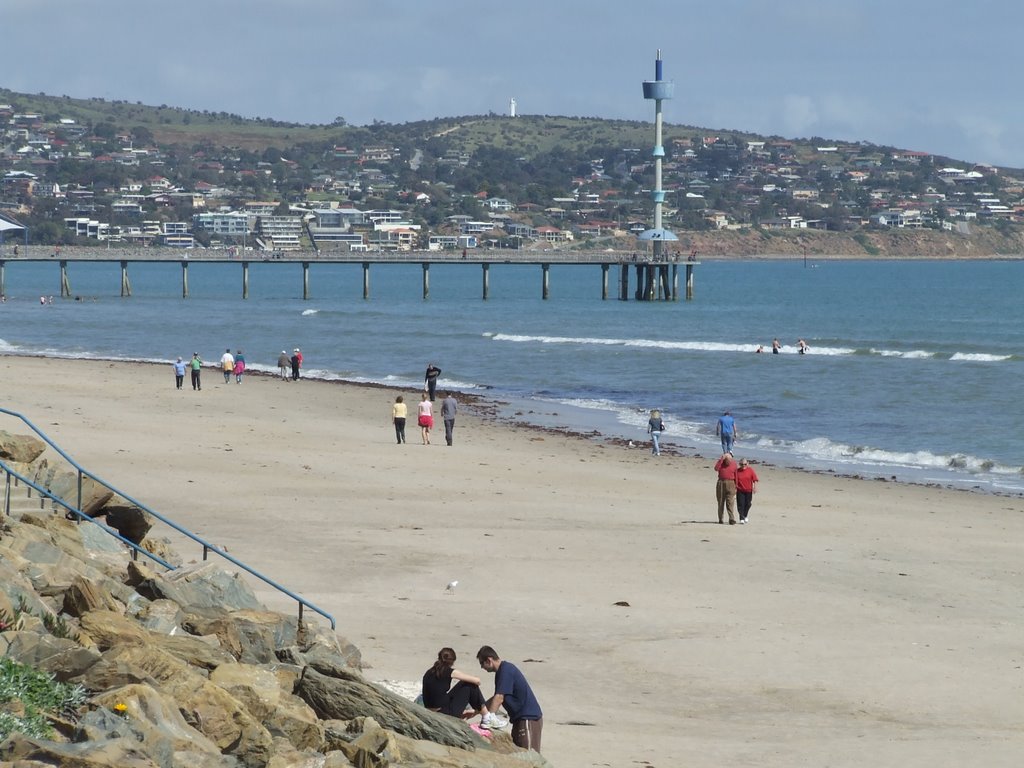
(450, 589)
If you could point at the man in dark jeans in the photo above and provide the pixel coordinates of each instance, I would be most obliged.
(448, 407)
(430, 380)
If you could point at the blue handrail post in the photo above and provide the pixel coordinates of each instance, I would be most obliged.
(7, 496)
(78, 514)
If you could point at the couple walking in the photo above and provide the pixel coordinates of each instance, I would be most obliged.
(736, 486)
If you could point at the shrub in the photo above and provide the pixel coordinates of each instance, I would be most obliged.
(40, 696)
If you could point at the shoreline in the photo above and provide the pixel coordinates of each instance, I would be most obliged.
(850, 622)
(491, 407)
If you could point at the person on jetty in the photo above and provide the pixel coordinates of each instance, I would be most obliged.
(425, 418)
(725, 488)
(399, 412)
(655, 426)
(430, 380)
(196, 364)
(227, 365)
(513, 692)
(179, 373)
(284, 364)
(239, 366)
(463, 700)
(727, 431)
(448, 408)
(746, 487)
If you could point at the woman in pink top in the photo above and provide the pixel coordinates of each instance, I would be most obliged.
(425, 418)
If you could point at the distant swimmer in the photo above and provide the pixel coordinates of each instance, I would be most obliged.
(760, 349)
(776, 346)
(801, 347)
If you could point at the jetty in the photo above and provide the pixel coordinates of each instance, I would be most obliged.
(656, 278)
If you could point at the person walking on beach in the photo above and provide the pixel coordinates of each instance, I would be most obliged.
(399, 411)
(179, 373)
(448, 407)
(463, 700)
(425, 418)
(726, 429)
(239, 366)
(513, 692)
(227, 364)
(655, 426)
(746, 487)
(196, 364)
(296, 363)
(284, 364)
(725, 488)
(430, 380)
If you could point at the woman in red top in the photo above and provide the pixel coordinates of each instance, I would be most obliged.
(746, 487)
(725, 489)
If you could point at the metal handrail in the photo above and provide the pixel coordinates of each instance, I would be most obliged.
(43, 492)
(76, 509)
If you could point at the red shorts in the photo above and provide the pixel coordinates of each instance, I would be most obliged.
(426, 421)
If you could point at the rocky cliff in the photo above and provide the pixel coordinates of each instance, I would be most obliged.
(863, 244)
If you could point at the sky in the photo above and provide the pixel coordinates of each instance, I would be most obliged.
(938, 76)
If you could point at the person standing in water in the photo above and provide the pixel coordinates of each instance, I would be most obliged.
(430, 380)
(727, 431)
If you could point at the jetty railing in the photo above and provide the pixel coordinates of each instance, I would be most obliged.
(73, 509)
(657, 274)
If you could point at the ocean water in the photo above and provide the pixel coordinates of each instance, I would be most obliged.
(914, 368)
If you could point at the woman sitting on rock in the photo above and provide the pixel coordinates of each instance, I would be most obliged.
(463, 700)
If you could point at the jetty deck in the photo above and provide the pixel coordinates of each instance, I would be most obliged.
(655, 280)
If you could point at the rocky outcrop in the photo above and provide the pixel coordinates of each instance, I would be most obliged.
(186, 669)
(20, 449)
(860, 244)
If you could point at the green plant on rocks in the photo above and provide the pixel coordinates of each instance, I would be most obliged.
(35, 695)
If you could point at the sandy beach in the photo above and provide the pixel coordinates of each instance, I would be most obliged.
(852, 623)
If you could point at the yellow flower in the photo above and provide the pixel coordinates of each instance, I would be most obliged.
(120, 708)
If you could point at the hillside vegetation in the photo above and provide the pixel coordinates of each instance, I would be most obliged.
(131, 169)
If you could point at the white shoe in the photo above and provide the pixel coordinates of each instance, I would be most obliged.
(493, 722)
